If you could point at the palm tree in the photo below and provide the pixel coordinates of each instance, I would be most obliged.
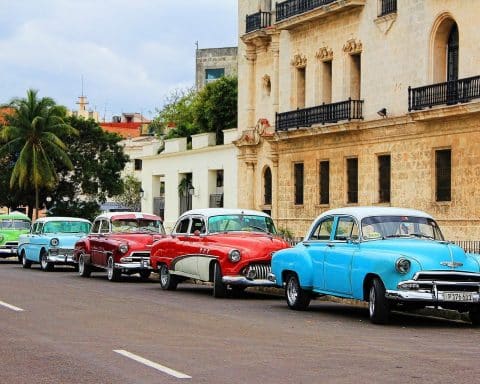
(32, 133)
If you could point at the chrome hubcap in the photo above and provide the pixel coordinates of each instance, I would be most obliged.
(44, 261)
(292, 290)
(371, 303)
(80, 265)
(110, 268)
(164, 276)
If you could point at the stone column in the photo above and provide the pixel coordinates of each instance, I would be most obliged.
(275, 48)
(250, 182)
(251, 56)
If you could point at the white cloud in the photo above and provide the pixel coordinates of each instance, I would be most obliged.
(131, 54)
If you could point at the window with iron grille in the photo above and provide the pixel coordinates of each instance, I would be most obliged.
(387, 6)
(298, 177)
(324, 182)
(384, 169)
(352, 180)
(443, 175)
(267, 183)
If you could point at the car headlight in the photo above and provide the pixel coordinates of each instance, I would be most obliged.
(402, 265)
(123, 248)
(234, 255)
(54, 242)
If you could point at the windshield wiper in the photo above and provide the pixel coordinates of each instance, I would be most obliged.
(259, 228)
(422, 235)
(396, 235)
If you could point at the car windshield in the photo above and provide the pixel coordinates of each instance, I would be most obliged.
(253, 223)
(66, 227)
(382, 227)
(14, 224)
(137, 225)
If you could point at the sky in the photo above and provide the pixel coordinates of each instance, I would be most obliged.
(131, 54)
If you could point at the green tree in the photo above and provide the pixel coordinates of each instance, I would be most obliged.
(215, 107)
(98, 160)
(131, 193)
(32, 132)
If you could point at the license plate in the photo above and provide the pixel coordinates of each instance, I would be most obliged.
(458, 296)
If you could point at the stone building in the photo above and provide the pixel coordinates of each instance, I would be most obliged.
(214, 63)
(360, 102)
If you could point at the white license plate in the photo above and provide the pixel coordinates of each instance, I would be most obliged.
(458, 296)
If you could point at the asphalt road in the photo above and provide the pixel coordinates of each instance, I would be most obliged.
(57, 327)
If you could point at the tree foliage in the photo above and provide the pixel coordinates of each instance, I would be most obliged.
(212, 109)
(32, 135)
(131, 193)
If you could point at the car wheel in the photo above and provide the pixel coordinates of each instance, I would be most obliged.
(297, 297)
(19, 256)
(84, 269)
(474, 315)
(168, 282)
(377, 304)
(45, 265)
(113, 274)
(219, 289)
(145, 274)
(25, 263)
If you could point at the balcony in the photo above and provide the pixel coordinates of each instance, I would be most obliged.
(387, 7)
(321, 114)
(448, 93)
(309, 10)
(258, 21)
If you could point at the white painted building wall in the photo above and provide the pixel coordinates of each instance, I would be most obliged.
(202, 161)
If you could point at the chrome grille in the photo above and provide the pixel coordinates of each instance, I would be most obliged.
(137, 257)
(261, 270)
(440, 276)
(61, 251)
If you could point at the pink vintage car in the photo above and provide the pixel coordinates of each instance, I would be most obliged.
(231, 248)
(119, 242)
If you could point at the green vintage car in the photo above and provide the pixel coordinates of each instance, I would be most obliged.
(12, 225)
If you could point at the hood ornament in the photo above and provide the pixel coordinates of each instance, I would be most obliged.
(451, 264)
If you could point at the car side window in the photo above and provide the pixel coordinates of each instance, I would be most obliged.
(346, 229)
(198, 224)
(104, 226)
(182, 226)
(323, 230)
(38, 228)
(96, 226)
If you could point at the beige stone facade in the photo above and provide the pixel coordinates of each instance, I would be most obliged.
(213, 63)
(350, 49)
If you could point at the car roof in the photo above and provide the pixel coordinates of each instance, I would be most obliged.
(60, 218)
(128, 215)
(208, 212)
(362, 212)
(14, 215)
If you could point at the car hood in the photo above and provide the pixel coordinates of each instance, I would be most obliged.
(136, 239)
(251, 243)
(430, 254)
(67, 240)
(10, 235)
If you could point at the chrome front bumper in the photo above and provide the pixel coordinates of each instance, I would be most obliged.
(145, 264)
(7, 250)
(242, 280)
(430, 297)
(61, 256)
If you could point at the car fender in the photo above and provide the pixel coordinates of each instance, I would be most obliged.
(293, 260)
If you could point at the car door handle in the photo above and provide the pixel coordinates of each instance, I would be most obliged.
(330, 245)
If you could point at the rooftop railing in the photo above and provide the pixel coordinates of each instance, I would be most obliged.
(258, 21)
(290, 8)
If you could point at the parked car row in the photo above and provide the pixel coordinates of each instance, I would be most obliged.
(392, 258)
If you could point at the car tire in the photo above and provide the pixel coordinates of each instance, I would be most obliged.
(45, 265)
(145, 273)
(297, 297)
(474, 315)
(219, 288)
(25, 263)
(378, 307)
(19, 256)
(84, 269)
(113, 274)
(168, 282)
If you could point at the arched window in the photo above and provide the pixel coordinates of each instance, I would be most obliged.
(445, 48)
(267, 184)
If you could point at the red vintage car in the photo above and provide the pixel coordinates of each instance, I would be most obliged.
(231, 248)
(119, 242)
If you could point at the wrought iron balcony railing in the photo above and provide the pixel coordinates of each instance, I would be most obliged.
(388, 6)
(448, 93)
(290, 8)
(320, 114)
(258, 21)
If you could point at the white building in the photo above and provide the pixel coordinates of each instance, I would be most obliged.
(178, 178)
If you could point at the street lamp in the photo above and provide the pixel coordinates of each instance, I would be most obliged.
(191, 189)
(142, 193)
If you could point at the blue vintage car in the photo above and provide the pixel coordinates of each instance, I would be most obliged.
(393, 258)
(51, 241)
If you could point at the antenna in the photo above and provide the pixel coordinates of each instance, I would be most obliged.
(196, 44)
(82, 85)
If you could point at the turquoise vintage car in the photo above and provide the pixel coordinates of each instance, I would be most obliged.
(51, 241)
(12, 225)
(393, 258)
